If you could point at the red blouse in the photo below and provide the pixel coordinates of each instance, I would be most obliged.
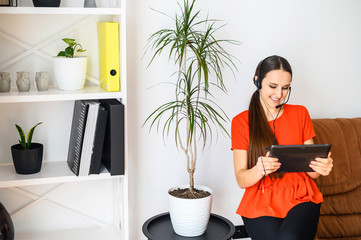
(278, 196)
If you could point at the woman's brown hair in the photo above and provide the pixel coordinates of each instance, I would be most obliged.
(260, 132)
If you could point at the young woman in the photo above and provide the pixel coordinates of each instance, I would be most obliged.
(275, 205)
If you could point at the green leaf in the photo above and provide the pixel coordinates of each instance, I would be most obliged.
(22, 136)
(69, 52)
(30, 135)
(61, 53)
(69, 41)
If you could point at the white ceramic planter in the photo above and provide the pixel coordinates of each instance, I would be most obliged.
(190, 217)
(70, 73)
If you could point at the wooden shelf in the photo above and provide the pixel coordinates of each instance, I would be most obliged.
(86, 233)
(88, 92)
(51, 172)
(61, 10)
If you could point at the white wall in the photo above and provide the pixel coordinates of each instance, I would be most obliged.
(321, 39)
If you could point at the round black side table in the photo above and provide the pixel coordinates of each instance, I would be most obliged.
(160, 227)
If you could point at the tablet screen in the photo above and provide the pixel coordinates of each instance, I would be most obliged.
(297, 158)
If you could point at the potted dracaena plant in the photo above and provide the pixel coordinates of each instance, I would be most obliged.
(70, 70)
(27, 156)
(200, 60)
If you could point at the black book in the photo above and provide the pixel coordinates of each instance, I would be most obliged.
(80, 114)
(96, 157)
(113, 149)
(89, 136)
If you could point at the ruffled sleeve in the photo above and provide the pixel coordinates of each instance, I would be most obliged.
(240, 131)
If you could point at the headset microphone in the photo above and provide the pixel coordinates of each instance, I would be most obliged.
(288, 98)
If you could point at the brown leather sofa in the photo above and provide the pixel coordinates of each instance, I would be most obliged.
(341, 210)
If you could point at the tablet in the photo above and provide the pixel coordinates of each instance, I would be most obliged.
(297, 158)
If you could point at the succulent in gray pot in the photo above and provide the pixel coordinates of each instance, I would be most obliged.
(27, 156)
(46, 3)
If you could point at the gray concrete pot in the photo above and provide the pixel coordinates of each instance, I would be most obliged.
(23, 81)
(5, 82)
(42, 81)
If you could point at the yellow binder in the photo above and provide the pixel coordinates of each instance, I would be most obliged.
(108, 47)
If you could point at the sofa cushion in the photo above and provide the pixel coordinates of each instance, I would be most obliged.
(341, 210)
(345, 137)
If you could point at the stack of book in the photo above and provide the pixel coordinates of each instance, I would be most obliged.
(97, 137)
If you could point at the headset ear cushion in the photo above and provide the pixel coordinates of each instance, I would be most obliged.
(255, 81)
(258, 83)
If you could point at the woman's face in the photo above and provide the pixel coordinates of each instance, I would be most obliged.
(275, 87)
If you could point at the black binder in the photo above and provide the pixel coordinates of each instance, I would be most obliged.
(113, 149)
(96, 157)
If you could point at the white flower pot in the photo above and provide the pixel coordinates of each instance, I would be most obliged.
(190, 217)
(70, 73)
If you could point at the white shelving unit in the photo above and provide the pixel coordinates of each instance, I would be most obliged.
(55, 171)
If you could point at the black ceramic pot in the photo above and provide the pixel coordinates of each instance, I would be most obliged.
(6, 225)
(27, 161)
(46, 3)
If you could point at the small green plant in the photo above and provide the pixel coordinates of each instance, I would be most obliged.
(69, 51)
(26, 144)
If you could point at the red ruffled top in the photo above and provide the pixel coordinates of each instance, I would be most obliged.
(275, 197)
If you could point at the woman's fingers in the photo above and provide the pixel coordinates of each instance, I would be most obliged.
(322, 165)
(267, 165)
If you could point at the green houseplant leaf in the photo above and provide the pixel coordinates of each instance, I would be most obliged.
(200, 59)
(22, 136)
(26, 144)
(30, 135)
(72, 45)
